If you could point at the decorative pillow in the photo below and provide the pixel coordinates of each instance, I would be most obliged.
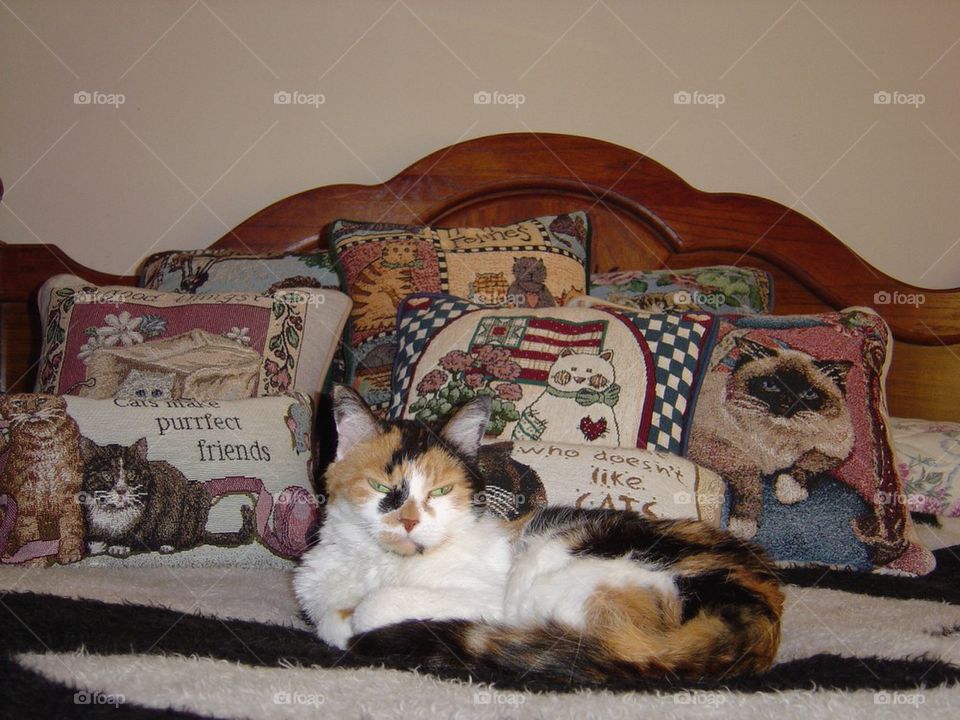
(574, 375)
(192, 271)
(792, 414)
(718, 288)
(535, 263)
(122, 341)
(928, 459)
(148, 482)
(523, 475)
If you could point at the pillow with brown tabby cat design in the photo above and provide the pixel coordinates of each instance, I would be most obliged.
(536, 263)
(792, 413)
(151, 481)
(120, 341)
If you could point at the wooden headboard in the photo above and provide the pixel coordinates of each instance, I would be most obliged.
(644, 216)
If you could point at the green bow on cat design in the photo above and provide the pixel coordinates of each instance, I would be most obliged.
(588, 396)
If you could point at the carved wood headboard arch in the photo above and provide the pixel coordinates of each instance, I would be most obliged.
(643, 215)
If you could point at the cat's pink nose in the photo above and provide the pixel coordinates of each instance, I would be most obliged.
(121, 491)
(409, 524)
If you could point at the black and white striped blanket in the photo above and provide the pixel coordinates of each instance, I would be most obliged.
(229, 643)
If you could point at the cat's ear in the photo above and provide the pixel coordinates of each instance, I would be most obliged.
(465, 429)
(836, 370)
(754, 349)
(140, 447)
(88, 449)
(607, 355)
(355, 422)
(566, 351)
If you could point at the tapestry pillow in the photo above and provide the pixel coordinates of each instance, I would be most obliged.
(792, 414)
(523, 475)
(928, 459)
(129, 342)
(717, 288)
(572, 375)
(155, 482)
(534, 263)
(192, 271)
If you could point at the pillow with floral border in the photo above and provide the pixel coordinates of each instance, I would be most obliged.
(124, 341)
(214, 270)
(570, 375)
(715, 288)
(540, 262)
(928, 458)
(792, 414)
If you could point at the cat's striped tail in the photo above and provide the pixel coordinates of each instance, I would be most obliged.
(705, 646)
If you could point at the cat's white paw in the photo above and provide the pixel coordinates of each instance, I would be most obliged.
(789, 491)
(96, 547)
(120, 551)
(166, 549)
(742, 527)
(335, 628)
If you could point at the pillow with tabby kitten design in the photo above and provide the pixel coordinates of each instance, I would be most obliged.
(147, 481)
(792, 414)
(536, 263)
(570, 375)
(122, 341)
(210, 270)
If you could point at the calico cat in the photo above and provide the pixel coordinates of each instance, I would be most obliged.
(528, 288)
(580, 397)
(511, 488)
(147, 385)
(382, 284)
(133, 504)
(778, 414)
(43, 474)
(409, 567)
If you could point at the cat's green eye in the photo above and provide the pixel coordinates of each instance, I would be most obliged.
(379, 486)
(437, 492)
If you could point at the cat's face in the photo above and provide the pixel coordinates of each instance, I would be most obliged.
(32, 408)
(411, 488)
(115, 478)
(146, 385)
(400, 252)
(787, 385)
(573, 371)
(529, 269)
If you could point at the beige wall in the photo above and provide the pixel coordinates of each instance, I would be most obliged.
(199, 144)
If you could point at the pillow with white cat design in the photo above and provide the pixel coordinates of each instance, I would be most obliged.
(792, 414)
(569, 375)
(155, 482)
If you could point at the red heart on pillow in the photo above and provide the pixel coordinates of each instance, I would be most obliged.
(592, 429)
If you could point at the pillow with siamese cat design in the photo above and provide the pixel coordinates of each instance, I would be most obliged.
(536, 263)
(792, 414)
(213, 270)
(715, 288)
(155, 482)
(128, 342)
(570, 375)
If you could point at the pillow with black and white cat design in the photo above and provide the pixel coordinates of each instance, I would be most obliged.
(792, 414)
(149, 481)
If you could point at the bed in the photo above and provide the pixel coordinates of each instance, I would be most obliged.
(230, 643)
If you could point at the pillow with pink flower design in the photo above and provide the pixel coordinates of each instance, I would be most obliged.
(151, 346)
(578, 375)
